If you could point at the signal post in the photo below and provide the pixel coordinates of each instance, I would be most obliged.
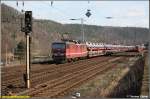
(28, 29)
(27, 61)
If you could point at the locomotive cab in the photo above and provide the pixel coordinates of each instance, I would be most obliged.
(58, 51)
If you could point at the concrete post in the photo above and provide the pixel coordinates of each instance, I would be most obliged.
(28, 60)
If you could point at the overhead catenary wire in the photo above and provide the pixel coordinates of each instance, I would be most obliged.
(64, 14)
(57, 9)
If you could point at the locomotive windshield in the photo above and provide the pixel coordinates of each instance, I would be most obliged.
(58, 45)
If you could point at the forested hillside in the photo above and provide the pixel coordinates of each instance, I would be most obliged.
(47, 31)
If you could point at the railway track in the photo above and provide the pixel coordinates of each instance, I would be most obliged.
(70, 80)
(34, 68)
(49, 73)
(69, 83)
(16, 71)
(38, 68)
(58, 75)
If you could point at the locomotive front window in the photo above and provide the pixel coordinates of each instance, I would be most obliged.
(58, 46)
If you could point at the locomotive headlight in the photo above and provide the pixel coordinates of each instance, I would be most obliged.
(62, 54)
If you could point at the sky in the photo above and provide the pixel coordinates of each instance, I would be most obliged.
(123, 13)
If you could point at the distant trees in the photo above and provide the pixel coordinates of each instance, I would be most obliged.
(47, 31)
(20, 50)
(65, 35)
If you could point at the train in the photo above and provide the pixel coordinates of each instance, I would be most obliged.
(74, 50)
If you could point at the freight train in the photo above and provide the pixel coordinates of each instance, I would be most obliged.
(73, 50)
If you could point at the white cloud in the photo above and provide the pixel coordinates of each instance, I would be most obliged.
(137, 15)
(138, 12)
(128, 22)
(129, 12)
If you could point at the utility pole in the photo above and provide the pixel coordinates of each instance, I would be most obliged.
(82, 29)
(135, 37)
(104, 38)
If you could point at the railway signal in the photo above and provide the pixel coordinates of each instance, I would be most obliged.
(28, 21)
(27, 29)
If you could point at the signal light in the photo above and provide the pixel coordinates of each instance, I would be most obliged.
(28, 21)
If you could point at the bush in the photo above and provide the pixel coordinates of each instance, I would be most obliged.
(20, 50)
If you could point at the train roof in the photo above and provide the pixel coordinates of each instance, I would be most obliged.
(66, 42)
(90, 44)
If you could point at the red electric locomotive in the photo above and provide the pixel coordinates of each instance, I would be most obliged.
(69, 51)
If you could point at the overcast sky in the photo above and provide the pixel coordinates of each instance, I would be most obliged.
(123, 13)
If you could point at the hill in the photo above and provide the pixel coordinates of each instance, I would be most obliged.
(47, 31)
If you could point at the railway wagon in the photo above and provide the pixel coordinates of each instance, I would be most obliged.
(68, 51)
(141, 48)
(95, 49)
(110, 49)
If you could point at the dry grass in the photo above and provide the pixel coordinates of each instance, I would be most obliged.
(104, 84)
